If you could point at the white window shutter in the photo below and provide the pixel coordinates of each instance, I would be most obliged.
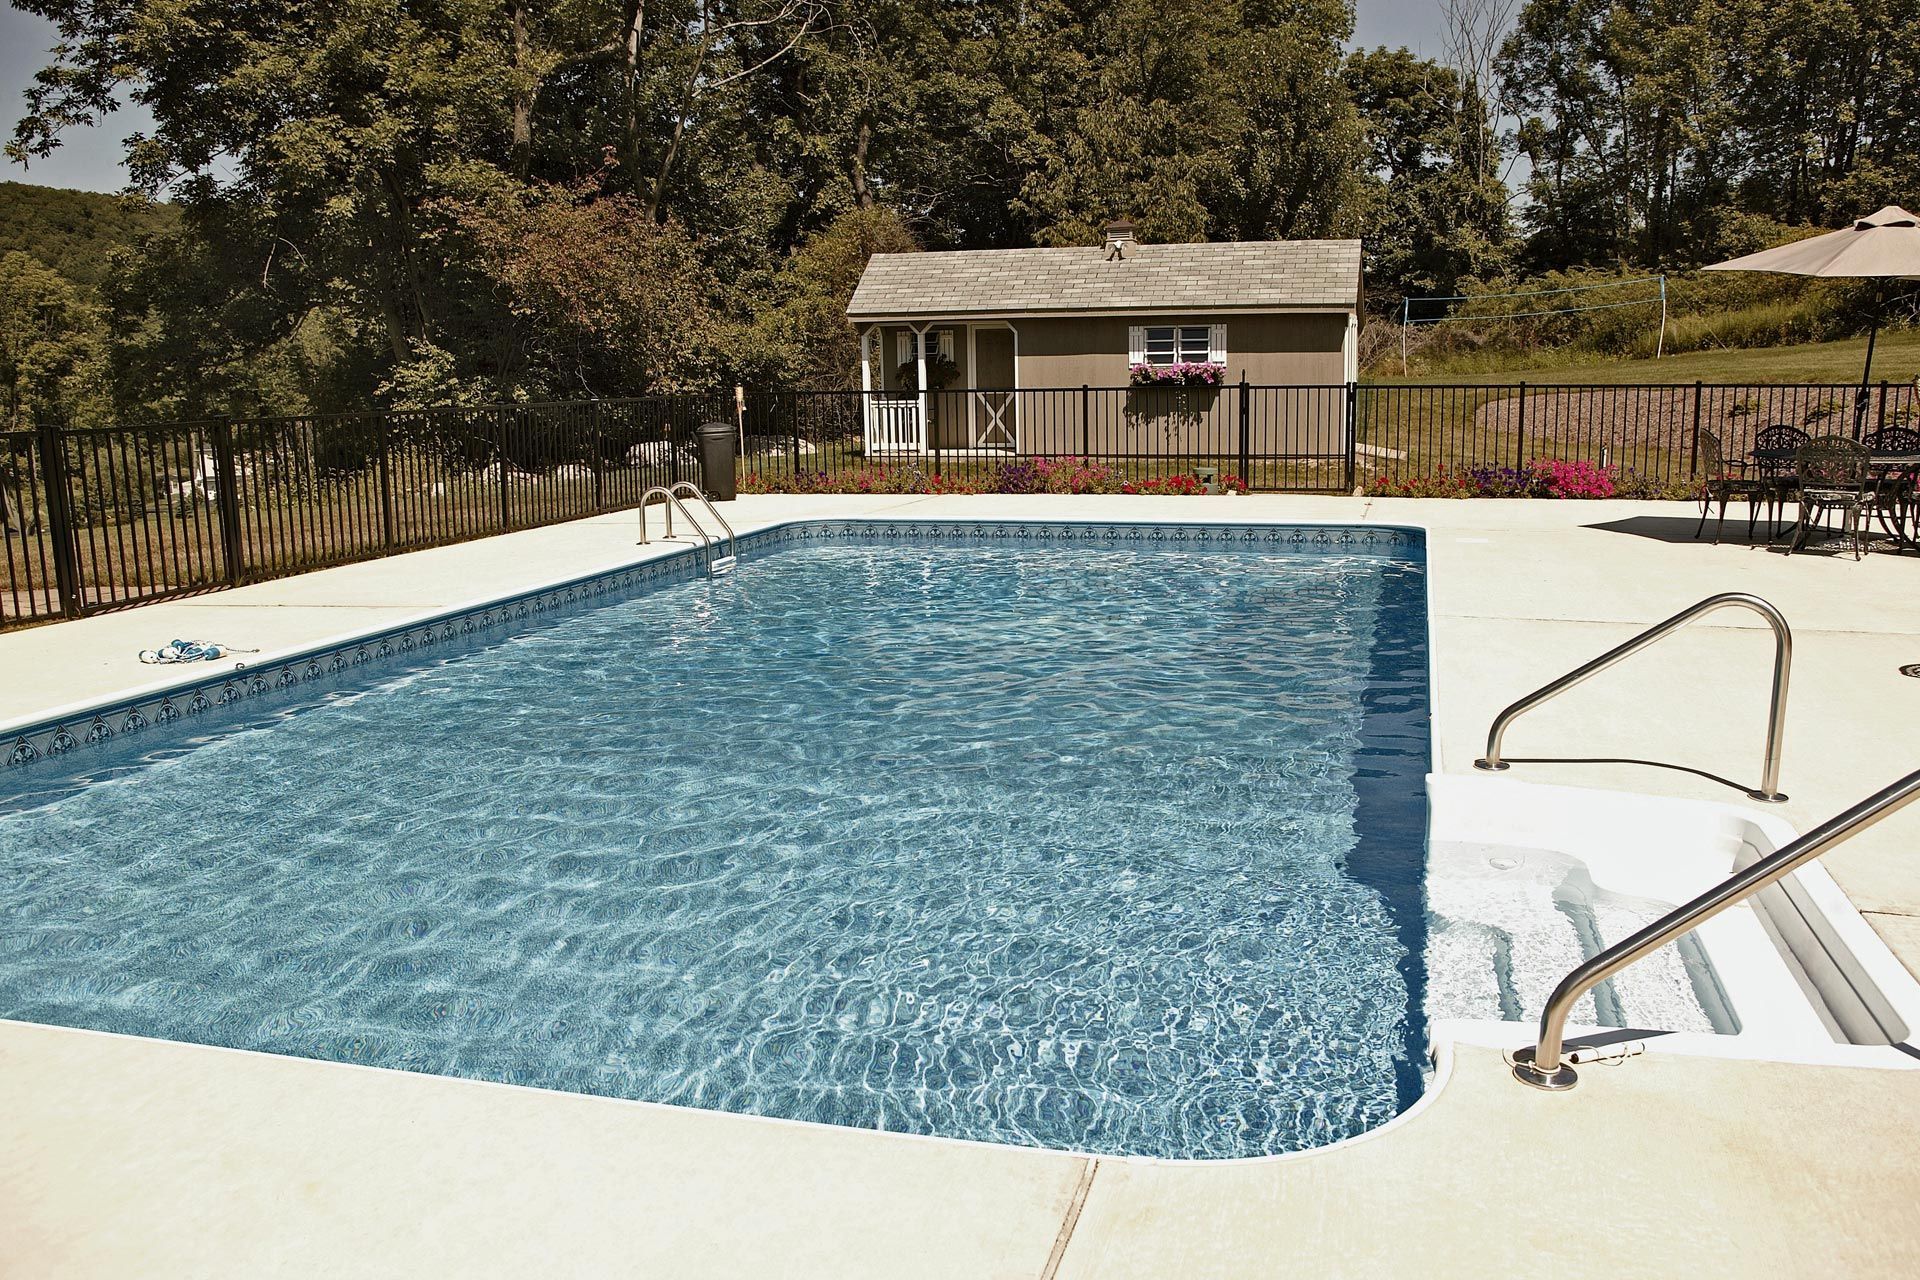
(946, 344)
(902, 347)
(1136, 344)
(1217, 341)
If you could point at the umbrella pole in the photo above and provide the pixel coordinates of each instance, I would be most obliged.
(1866, 373)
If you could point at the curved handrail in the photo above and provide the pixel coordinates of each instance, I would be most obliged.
(673, 502)
(1541, 1066)
(1769, 788)
(733, 542)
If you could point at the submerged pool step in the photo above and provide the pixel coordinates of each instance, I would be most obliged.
(722, 565)
(1510, 923)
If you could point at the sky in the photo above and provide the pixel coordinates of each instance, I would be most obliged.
(91, 158)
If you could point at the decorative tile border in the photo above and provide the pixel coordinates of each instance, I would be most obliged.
(1323, 539)
(190, 699)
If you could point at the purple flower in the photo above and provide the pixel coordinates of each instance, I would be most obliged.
(1184, 373)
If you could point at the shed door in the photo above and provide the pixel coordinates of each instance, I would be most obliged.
(996, 408)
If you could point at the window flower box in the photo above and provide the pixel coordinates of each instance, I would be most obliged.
(1184, 373)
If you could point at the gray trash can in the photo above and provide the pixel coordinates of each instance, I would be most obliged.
(719, 446)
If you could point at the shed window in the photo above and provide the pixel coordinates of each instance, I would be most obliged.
(1178, 344)
(939, 343)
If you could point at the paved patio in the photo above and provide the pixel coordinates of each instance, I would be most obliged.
(124, 1156)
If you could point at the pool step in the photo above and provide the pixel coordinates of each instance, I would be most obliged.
(722, 565)
(1512, 922)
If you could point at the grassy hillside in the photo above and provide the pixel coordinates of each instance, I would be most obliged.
(1896, 358)
(72, 231)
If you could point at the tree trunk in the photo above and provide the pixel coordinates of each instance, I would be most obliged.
(630, 52)
(861, 137)
(656, 202)
(522, 92)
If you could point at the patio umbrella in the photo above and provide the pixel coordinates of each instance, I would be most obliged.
(1881, 246)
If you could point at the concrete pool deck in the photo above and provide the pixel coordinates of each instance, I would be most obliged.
(126, 1156)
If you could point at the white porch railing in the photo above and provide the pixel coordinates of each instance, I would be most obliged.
(893, 425)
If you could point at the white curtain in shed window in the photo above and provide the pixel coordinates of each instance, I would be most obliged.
(942, 345)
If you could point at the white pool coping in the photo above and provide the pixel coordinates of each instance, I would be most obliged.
(1518, 592)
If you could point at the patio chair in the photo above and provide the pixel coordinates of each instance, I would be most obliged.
(1893, 482)
(1782, 443)
(1834, 474)
(1725, 478)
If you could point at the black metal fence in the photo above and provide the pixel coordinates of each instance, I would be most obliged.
(1277, 438)
(95, 518)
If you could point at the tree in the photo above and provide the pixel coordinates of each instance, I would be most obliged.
(48, 340)
(1435, 217)
(805, 340)
(597, 298)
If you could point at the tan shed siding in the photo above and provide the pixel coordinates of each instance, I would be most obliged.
(1286, 351)
(1270, 350)
(1267, 350)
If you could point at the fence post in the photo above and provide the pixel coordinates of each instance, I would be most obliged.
(597, 457)
(60, 532)
(1693, 440)
(793, 415)
(227, 499)
(1353, 434)
(382, 428)
(1880, 415)
(1520, 433)
(1246, 432)
(1086, 437)
(500, 456)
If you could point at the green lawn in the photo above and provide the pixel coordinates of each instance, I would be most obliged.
(1896, 358)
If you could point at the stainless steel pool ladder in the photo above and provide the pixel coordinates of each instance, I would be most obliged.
(1543, 1067)
(1769, 788)
(715, 564)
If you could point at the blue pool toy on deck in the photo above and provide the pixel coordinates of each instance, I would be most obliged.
(190, 651)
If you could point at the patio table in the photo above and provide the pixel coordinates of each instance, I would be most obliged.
(1894, 474)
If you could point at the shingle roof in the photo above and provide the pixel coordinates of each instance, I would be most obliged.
(1258, 275)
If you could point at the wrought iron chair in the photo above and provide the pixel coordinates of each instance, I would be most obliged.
(1894, 482)
(1775, 449)
(1725, 478)
(1835, 474)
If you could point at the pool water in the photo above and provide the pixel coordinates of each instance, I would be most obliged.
(1110, 848)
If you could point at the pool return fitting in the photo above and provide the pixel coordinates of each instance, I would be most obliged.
(1769, 788)
(1546, 1066)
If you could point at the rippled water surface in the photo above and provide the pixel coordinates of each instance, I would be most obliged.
(1102, 848)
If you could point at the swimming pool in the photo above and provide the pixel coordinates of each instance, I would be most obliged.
(1107, 838)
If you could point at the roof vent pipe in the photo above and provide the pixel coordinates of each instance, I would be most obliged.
(1120, 240)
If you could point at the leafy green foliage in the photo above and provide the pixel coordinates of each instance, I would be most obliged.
(74, 232)
(441, 199)
(48, 343)
(1652, 125)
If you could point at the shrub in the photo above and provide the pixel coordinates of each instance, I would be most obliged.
(867, 480)
(1556, 479)
(1016, 475)
(1543, 478)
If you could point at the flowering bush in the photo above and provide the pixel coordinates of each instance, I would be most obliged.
(1543, 478)
(1182, 485)
(1056, 475)
(1184, 373)
(1556, 479)
(1016, 475)
(867, 480)
(1177, 485)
